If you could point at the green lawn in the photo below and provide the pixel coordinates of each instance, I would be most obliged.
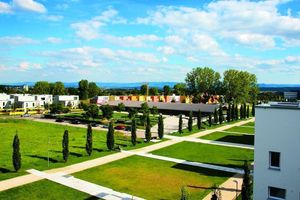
(241, 129)
(205, 126)
(207, 153)
(43, 190)
(34, 145)
(154, 179)
(230, 137)
(250, 124)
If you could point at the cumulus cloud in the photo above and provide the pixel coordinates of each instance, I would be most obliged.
(54, 40)
(5, 8)
(30, 5)
(89, 29)
(24, 66)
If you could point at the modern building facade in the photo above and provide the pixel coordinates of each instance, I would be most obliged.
(277, 152)
(67, 100)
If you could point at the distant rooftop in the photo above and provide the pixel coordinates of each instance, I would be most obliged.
(283, 105)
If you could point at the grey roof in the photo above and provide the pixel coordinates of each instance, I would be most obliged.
(206, 108)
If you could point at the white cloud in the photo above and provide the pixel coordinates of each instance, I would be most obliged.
(30, 5)
(54, 40)
(16, 40)
(5, 8)
(89, 29)
(167, 50)
(130, 41)
(207, 44)
(24, 66)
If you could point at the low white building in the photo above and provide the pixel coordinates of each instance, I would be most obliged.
(4, 101)
(43, 99)
(277, 152)
(100, 100)
(67, 100)
(24, 101)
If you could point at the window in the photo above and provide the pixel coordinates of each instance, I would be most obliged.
(274, 160)
(276, 193)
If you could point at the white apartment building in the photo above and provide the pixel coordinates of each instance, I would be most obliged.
(24, 101)
(43, 99)
(67, 100)
(277, 152)
(4, 101)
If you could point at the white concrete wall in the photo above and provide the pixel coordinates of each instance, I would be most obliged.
(278, 130)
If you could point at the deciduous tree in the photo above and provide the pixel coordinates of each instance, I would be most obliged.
(83, 88)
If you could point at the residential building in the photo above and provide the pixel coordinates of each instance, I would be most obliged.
(290, 95)
(277, 151)
(100, 100)
(24, 101)
(67, 100)
(43, 99)
(4, 101)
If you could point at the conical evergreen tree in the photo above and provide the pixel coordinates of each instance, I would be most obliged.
(209, 120)
(110, 137)
(148, 129)
(253, 110)
(65, 146)
(160, 127)
(244, 111)
(241, 111)
(199, 120)
(232, 112)
(16, 157)
(228, 113)
(216, 117)
(246, 186)
(180, 124)
(89, 140)
(221, 116)
(236, 112)
(133, 131)
(190, 122)
(247, 113)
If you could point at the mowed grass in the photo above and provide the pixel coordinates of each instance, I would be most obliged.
(205, 126)
(43, 190)
(207, 153)
(36, 138)
(250, 124)
(230, 137)
(241, 129)
(154, 179)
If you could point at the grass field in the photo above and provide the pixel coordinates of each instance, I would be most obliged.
(241, 129)
(205, 126)
(250, 124)
(34, 145)
(230, 137)
(154, 179)
(43, 190)
(207, 153)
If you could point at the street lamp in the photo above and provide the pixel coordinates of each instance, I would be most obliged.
(236, 188)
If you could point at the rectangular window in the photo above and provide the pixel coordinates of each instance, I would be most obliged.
(274, 160)
(276, 193)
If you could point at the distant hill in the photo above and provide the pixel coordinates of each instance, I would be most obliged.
(160, 85)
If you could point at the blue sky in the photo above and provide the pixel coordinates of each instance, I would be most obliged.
(146, 40)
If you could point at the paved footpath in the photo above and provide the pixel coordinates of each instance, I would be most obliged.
(84, 186)
(26, 179)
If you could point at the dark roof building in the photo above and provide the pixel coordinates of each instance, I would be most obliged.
(170, 108)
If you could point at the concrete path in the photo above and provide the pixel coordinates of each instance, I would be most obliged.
(248, 126)
(192, 139)
(84, 186)
(237, 133)
(185, 162)
(230, 189)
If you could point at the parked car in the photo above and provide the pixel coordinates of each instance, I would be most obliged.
(120, 127)
(26, 115)
(94, 124)
(75, 121)
(59, 120)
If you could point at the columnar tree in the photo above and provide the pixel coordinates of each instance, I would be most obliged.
(244, 111)
(221, 117)
(199, 120)
(180, 124)
(246, 186)
(216, 117)
(209, 120)
(253, 109)
(248, 110)
(160, 127)
(148, 129)
(110, 137)
(16, 157)
(236, 112)
(65, 146)
(232, 112)
(133, 132)
(241, 111)
(89, 140)
(190, 122)
(228, 113)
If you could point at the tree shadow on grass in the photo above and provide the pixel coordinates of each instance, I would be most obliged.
(71, 153)
(211, 188)
(4, 170)
(203, 171)
(91, 198)
(240, 139)
(43, 158)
